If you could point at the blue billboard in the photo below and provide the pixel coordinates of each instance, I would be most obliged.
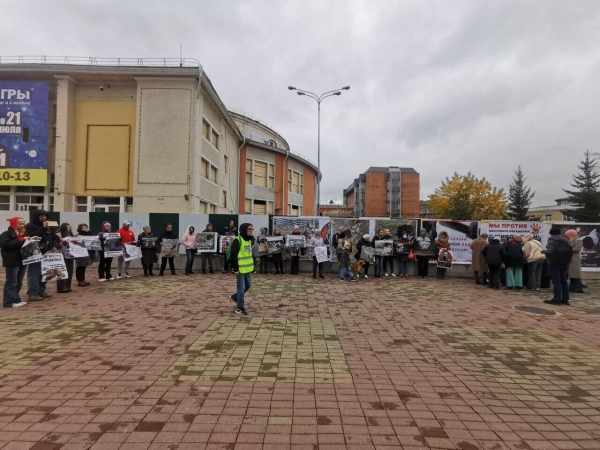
(23, 132)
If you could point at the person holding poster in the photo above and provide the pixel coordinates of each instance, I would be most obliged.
(127, 237)
(317, 241)
(36, 286)
(191, 247)
(378, 258)
(63, 286)
(11, 242)
(263, 252)
(365, 241)
(423, 249)
(278, 257)
(295, 253)
(167, 234)
(208, 256)
(81, 264)
(575, 284)
(442, 244)
(147, 242)
(403, 247)
(387, 235)
(105, 263)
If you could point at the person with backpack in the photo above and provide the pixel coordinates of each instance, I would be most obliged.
(559, 254)
(494, 254)
(240, 257)
(11, 242)
(532, 251)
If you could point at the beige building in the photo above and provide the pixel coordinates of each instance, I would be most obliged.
(553, 213)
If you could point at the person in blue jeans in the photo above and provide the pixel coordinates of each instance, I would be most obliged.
(11, 242)
(343, 255)
(191, 247)
(559, 254)
(242, 263)
(403, 246)
(36, 288)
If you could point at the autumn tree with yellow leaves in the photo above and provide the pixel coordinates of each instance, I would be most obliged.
(464, 197)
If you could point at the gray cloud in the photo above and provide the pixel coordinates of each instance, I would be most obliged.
(439, 86)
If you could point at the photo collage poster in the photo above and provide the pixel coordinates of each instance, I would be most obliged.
(460, 232)
(54, 267)
(30, 251)
(309, 227)
(113, 246)
(354, 230)
(169, 248)
(275, 245)
(207, 242)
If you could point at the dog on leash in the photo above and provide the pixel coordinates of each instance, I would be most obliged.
(355, 267)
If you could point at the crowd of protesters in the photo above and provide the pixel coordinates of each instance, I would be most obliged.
(522, 257)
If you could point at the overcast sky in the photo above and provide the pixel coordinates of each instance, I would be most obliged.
(441, 86)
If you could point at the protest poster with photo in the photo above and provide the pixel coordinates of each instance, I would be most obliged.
(30, 251)
(295, 241)
(131, 252)
(169, 248)
(384, 248)
(225, 243)
(402, 247)
(589, 233)
(148, 242)
(367, 254)
(54, 267)
(460, 232)
(506, 229)
(275, 245)
(397, 227)
(74, 247)
(92, 243)
(113, 247)
(354, 230)
(309, 227)
(424, 247)
(444, 260)
(207, 242)
(321, 254)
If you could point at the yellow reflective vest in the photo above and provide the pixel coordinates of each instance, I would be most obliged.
(245, 259)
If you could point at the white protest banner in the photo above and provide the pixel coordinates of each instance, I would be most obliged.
(321, 254)
(54, 267)
(131, 252)
(31, 252)
(74, 248)
(92, 243)
(506, 229)
(113, 247)
(460, 233)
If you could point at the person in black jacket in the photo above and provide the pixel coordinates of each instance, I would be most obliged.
(147, 242)
(378, 259)
(295, 254)
(11, 242)
(230, 230)
(365, 241)
(81, 264)
(36, 288)
(167, 234)
(514, 262)
(207, 256)
(495, 254)
(559, 254)
(278, 257)
(64, 286)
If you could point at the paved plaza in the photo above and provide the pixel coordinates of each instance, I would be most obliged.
(163, 363)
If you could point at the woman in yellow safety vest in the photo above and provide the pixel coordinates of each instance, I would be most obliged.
(242, 263)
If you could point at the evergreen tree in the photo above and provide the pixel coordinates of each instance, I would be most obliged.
(586, 194)
(519, 196)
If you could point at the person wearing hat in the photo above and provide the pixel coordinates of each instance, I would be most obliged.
(242, 263)
(105, 263)
(39, 227)
(559, 254)
(127, 237)
(11, 242)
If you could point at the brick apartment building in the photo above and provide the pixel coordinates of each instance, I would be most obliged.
(384, 192)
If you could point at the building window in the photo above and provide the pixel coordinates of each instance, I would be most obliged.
(205, 130)
(226, 163)
(31, 189)
(548, 217)
(203, 207)
(51, 203)
(260, 207)
(260, 174)
(249, 173)
(294, 210)
(4, 202)
(213, 174)
(270, 208)
(302, 184)
(225, 199)
(213, 208)
(81, 204)
(295, 182)
(29, 202)
(248, 206)
(204, 169)
(107, 204)
(129, 204)
(214, 139)
(271, 175)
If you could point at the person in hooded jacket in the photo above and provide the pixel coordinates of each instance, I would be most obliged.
(208, 256)
(242, 262)
(424, 250)
(190, 243)
(514, 262)
(378, 258)
(167, 234)
(478, 263)
(11, 242)
(278, 257)
(147, 242)
(295, 254)
(316, 241)
(105, 263)
(264, 255)
(442, 243)
(64, 286)
(36, 288)
(230, 230)
(532, 251)
(365, 241)
(81, 264)
(559, 254)
(575, 284)
(494, 254)
(403, 252)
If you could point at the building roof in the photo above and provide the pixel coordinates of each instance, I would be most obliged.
(551, 208)
(385, 169)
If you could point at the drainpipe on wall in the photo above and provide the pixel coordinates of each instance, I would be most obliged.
(239, 163)
(195, 145)
(283, 205)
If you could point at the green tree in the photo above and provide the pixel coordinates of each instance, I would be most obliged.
(519, 196)
(465, 197)
(585, 196)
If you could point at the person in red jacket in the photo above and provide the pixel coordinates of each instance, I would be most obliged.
(11, 242)
(127, 236)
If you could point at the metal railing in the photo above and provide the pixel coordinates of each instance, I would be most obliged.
(105, 62)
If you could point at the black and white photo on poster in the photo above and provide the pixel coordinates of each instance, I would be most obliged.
(460, 232)
(444, 260)
(225, 243)
(207, 242)
(354, 230)
(402, 246)
(589, 233)
(54, 267)
(131, 252)
(74, 247)
(367, 254)
(113, 246)
(295, 241)
(397, 227)
(169, 247)
(425, 247)
(275, 244)
(384, 248)
(92, 243)
(148, 242)
(30, 252)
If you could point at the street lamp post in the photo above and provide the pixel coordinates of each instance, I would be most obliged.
(319, 99)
